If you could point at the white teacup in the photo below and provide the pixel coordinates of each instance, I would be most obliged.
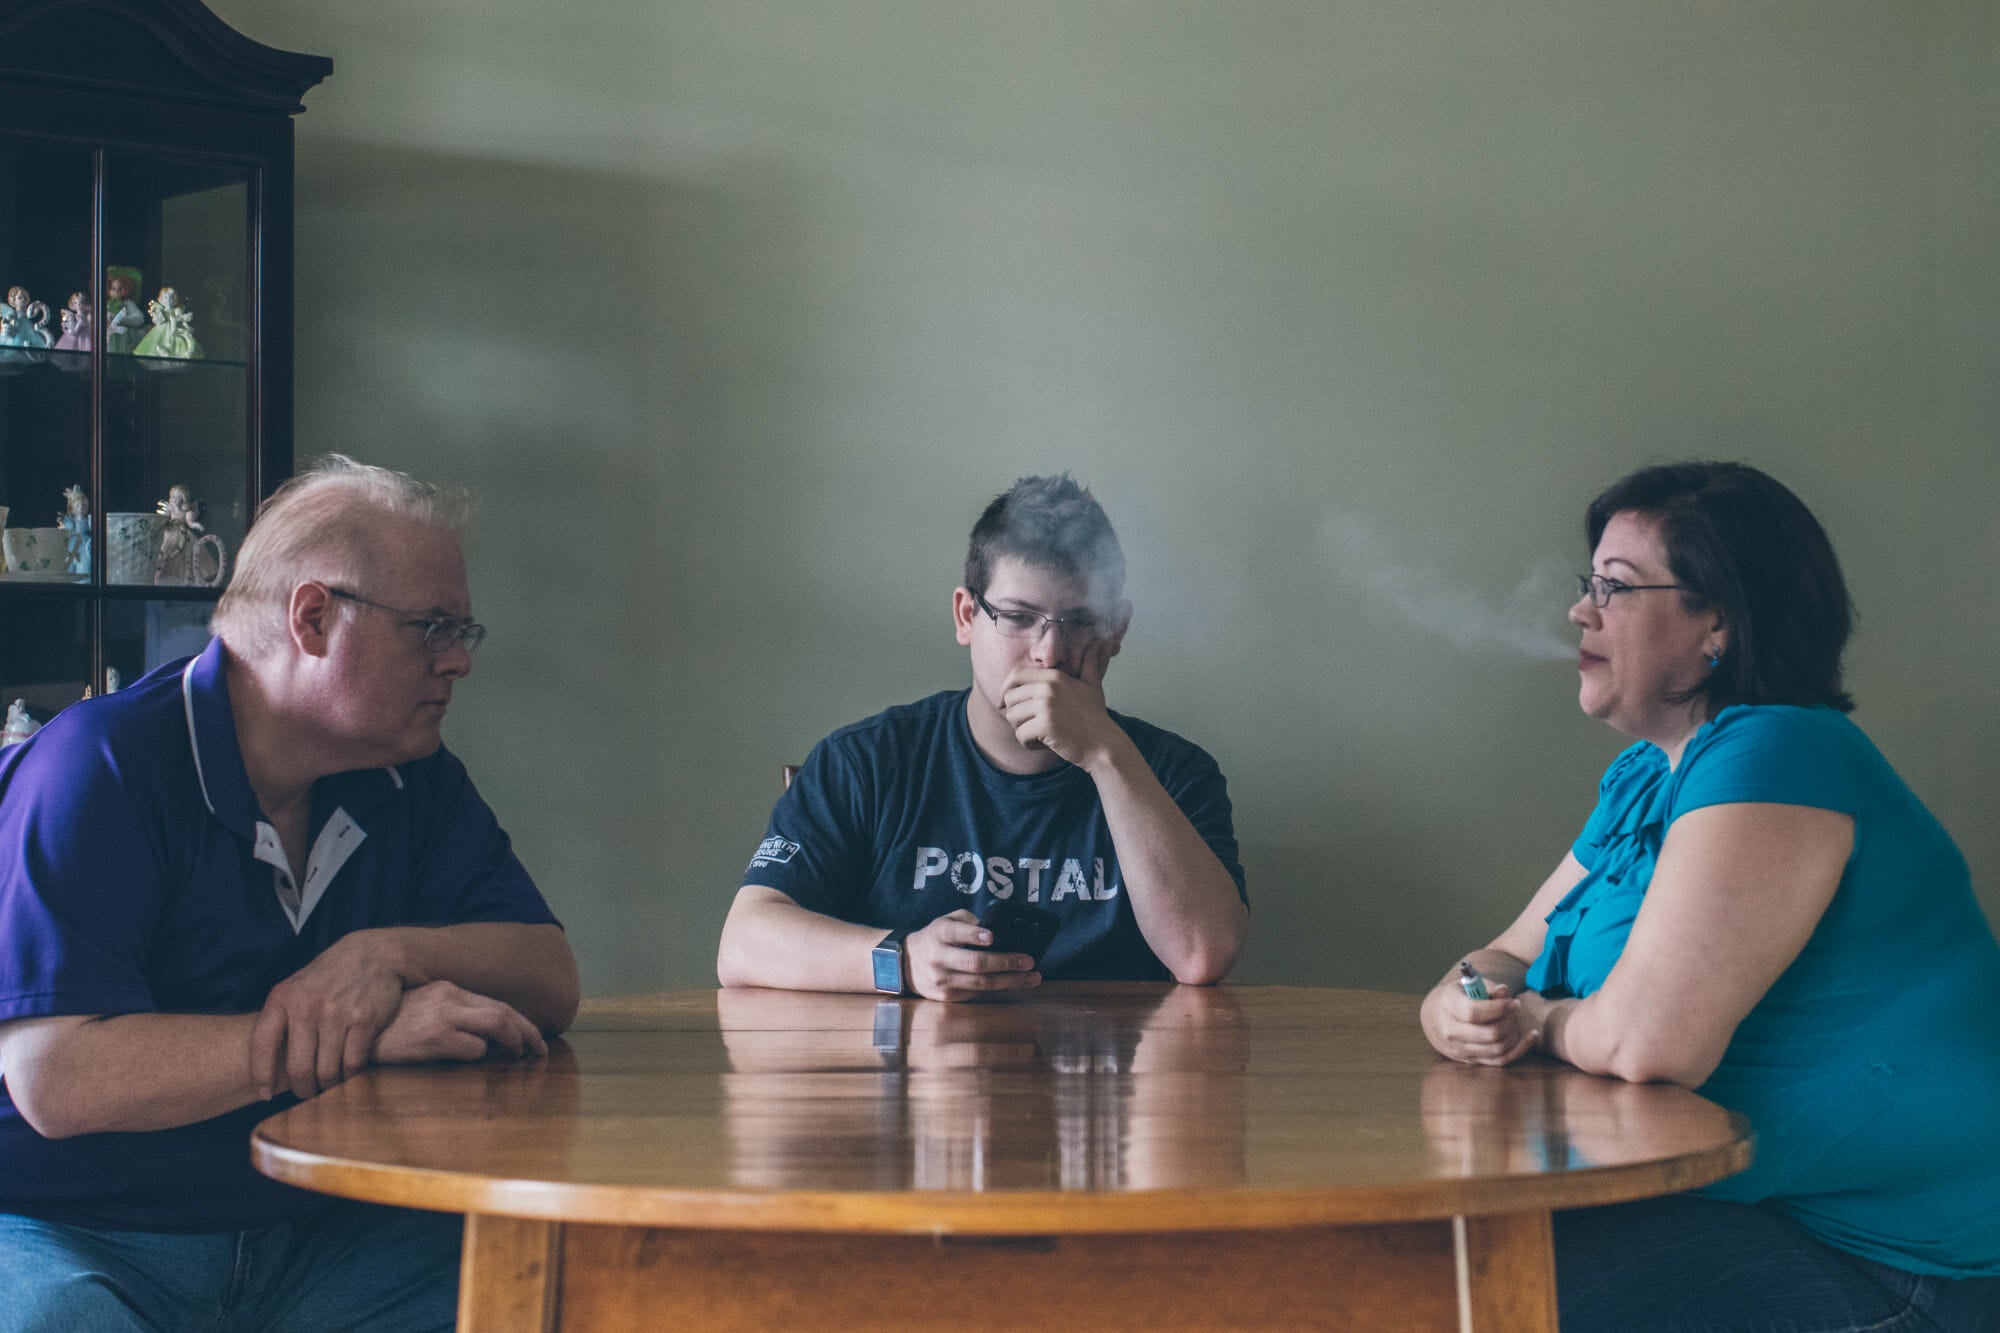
(35, 550)
(135, 546)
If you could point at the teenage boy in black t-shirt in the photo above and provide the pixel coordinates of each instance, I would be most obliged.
(1024, 787)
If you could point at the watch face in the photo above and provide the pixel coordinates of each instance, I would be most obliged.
(888, 968)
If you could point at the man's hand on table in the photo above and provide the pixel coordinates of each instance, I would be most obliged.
(318, 1025)
(440, 1021)
(948, 961)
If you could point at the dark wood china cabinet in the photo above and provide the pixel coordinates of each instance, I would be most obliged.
(145, 332)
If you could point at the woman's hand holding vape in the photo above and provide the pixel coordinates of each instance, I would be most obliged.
(1476, 1021)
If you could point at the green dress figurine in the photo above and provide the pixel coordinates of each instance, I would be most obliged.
(172, 336)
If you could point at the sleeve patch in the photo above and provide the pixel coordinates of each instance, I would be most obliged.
(773, 851)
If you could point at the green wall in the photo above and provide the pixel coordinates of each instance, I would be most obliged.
(737, 312)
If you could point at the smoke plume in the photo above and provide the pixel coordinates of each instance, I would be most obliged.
(1524, 622)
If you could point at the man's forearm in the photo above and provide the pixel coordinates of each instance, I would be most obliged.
(527, 966)
(769, 940)
(128, 1072)
(1186, 904)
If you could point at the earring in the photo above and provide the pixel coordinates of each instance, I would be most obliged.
(1714, 658)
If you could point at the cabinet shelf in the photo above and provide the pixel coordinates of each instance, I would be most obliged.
(81, 589)
(119, 367)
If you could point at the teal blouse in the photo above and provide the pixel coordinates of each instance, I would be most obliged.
(1871, 1068)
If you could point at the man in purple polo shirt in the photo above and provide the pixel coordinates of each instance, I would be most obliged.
(230, 886)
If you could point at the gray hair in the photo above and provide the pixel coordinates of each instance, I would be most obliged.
(323, 525)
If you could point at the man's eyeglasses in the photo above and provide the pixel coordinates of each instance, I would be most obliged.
(441, 633)
(1601, 590)
(1029, 624)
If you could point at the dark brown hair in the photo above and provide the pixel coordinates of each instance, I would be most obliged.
(1739, 541)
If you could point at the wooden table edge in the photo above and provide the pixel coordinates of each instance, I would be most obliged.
(1000, 1213)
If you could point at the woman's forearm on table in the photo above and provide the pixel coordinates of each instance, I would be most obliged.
(1587, 1034)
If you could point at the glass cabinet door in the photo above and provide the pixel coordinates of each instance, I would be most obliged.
(126, 406)
(46, 296)
(177, 369)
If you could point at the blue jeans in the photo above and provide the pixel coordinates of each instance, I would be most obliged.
(355, 1266)
(1689, 1263)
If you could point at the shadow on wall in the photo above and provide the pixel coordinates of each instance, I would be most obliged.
(625, 368)
(479, 323)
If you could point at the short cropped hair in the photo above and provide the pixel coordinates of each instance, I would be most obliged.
(1052, 523)
(324, 524)
(1741, 542)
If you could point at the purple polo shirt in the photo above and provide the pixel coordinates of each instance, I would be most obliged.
(138, 875)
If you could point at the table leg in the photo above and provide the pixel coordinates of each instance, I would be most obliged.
(511, 1275)
(1506, 1272)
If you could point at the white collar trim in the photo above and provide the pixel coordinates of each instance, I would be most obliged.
(194, 741)
(339, 840)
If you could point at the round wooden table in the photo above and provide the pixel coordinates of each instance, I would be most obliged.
(1106, 1155)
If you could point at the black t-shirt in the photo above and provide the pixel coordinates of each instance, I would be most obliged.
(897, 820)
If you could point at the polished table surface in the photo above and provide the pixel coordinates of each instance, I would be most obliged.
(1107, 1109)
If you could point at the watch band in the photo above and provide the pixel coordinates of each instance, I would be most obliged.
(891, 976)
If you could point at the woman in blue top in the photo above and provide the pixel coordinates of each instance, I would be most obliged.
(1758, 909)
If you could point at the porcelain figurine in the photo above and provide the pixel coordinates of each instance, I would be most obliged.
(72, 350)
(75, 326)
(19, 725)
(24, 329)
(124, 321)
(190, 555)
(172, 336)
(76, 522)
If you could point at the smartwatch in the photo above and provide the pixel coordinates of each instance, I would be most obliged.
(887, 957)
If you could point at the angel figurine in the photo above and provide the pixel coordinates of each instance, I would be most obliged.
(76, 522)
(72, 350)
(75, 326)
(172, 336)
(124, 321)
(24, 329)
(190, 555)
(19, 725)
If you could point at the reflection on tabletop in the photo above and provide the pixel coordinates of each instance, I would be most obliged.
(1275, 1100)
(402, 1114)
(1134, 1092)
(1537, 1116)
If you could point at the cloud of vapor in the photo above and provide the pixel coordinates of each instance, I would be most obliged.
(1525, 622)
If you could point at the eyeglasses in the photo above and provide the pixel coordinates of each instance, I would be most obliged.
(1601, 590)
(1029, 624)
(441, 633)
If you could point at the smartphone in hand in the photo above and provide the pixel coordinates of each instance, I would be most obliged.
(1019, 928)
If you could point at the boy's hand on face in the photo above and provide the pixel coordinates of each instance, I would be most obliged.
(1065, 713)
